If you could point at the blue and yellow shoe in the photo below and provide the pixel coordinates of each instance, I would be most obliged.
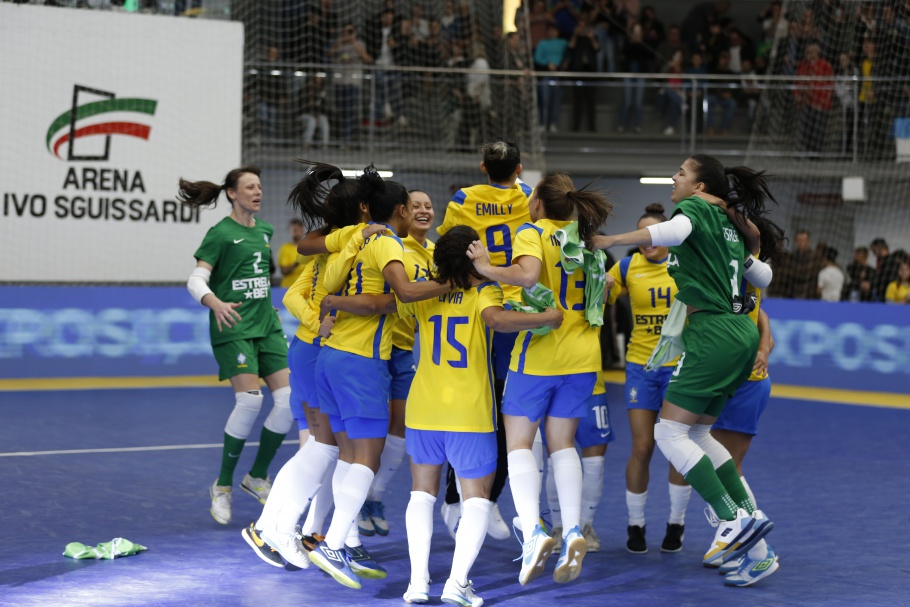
(363, 565)
(534, 555)
(264, 551)
(574, 548)
(753, 570)
(734, 538)
(335, 563)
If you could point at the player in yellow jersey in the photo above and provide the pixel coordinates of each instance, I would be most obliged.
(496, 210)
(551, 376)
(357, 400)
(232, 279)
(651, 292)
(418, 263)
(290, 262)
(451, 415)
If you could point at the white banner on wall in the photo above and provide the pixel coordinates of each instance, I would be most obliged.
(100, 114)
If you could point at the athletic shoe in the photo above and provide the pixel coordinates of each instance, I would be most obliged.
(731, 566)
(451, 514)
(534, 555)
(498, 530)
(363, 565)
(574, 548)
(365, 523)
(753, 570)
(734, 538)
(636, 540)
(591, 538)
(259, 488)
(417, 593)
(310, 541)
(673, 539)
(377, 517)
(221, 503)
(335, 563)
(264, 551)
(556, 534)
(457, 594)
(288, 546)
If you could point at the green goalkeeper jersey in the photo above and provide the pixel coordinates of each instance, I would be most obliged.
(240, 257)
(708, 265)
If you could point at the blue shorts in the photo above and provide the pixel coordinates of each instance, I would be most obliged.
(539, 396)
(471, 454)
(594, 428)
(349, 385)
(503, 343)
(302, 363)
(402, 369)
(645, 389)
(359, 427)
(741, 412)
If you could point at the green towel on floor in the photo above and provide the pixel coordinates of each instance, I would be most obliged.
(593, 263)
(534, 301)
(105, 550)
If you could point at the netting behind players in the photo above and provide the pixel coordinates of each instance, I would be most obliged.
(845, 112)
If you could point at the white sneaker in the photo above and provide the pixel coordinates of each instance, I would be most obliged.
(451, 514)
(534, 555)
(288, 546)
(418, 592)
(574, 548)
(221, 503)
(458, 594)
(753, 570)
(734, 538)
(259, 488)
(498, 530)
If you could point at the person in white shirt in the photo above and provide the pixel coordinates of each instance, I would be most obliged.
(831, 277)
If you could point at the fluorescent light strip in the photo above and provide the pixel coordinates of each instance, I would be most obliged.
(656, 181)
(359, 172)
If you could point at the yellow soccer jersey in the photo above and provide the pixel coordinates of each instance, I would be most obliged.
(368, 336)
(754, 316)
(453, 388)
(496, 212)
(575, 346)
(287, 254)
(338, 272)
(297, 301)
(418, 263)
(599, 387)
(651, 293)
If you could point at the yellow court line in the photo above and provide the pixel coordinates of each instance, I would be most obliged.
(832, 395)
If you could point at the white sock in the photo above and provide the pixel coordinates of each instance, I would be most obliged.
(592, 487)
(749, 491)
(567, 472)
(475, 518)
(679, 501)
(349, 500)
(418, 521)
(341, 470)
(389, 461)
(524, 479)
(321, 504)
(555, 516)
(305, 483)
(353, 537)
(760, 550)
(537, 450)
(290, 471)
(635, 502)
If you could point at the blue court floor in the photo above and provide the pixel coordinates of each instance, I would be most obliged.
(834, 478)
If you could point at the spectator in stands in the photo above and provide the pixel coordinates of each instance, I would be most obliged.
(898, 291)
(565, 13)
(420, 26)
(740, 49)
(312, 40)
(583, 49)
(673, 43)
(464, 26)
(720, 95)
(830, 277)
(789, 50)
(695, 26)
(674, 92)
(653, 33)
(695, 68)
(808, 27)
(638, 60)
(608, 30)
(449, 21)
(382, 44)
(476, 100)
(750, 91)
(434, 51)
(351, 55)
(846, 95)
(814, 98)
(539, 19)
(868, 99)
(550, 56)
(774, 25)
(859, 277)
(272, 89)
(517, 93)
(315, 112)
(802, 268)
(886, 268)
(715, 43)
(289, 262)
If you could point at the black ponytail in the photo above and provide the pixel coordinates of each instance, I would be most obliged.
(381, 196)
(324, 198)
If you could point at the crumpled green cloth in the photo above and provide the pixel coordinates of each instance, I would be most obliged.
(105, 550)
(534, 301)
(573, 255)
(670, 344)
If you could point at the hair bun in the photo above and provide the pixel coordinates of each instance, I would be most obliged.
(655, 207)
(370, 183)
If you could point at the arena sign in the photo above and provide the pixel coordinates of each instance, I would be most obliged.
(98, 128)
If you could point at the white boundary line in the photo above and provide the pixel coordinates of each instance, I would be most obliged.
(129, 449)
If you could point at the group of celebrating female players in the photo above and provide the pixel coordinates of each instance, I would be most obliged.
(507, 308)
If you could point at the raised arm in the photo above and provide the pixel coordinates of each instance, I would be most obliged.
(408, 291)
(295, 298)
(524, 271)
(361, 305)
(509, 321)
